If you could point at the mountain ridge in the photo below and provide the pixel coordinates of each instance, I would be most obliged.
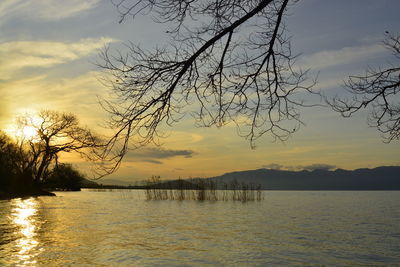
(379, 178)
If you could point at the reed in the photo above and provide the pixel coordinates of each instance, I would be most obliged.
(202, 190)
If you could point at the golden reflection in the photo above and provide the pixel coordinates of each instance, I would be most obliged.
(23, 216)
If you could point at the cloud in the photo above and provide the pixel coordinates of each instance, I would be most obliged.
(186, 137)
(154, 155)
(16, 56)
(31, 94)
(45, 9)
(311, 167)
(340, 57)
(152, 161)
(319, 166)
(273, 166)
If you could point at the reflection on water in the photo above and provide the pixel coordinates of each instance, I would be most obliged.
(121, 228)
(23, 216)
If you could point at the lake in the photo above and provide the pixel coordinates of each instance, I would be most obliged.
(122, 228)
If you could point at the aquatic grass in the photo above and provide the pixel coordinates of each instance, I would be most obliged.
(201, 190)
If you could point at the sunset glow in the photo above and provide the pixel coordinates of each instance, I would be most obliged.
(199, 133)
(24, 217)
(26, 126)
(29, 132)
(54, 68)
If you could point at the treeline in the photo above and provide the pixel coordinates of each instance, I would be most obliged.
(18, 167)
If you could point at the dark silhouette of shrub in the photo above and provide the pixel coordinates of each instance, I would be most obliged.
(64, 177)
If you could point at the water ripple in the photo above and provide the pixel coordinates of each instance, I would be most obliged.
(287, 228)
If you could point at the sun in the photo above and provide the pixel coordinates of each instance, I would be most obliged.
(26, 126)
(29, 132)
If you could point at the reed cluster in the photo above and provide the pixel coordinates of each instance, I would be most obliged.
(201, 190)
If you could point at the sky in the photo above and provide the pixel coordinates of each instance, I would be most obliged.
(48, 55)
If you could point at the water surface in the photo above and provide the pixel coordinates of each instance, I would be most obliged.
(121, 228)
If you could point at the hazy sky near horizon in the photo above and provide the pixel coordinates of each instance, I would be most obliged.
(48, 51)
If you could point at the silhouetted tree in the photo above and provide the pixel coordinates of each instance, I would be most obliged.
(229, 61)
(379, 89)
(9, 156)
(64, 176)
(55, 133)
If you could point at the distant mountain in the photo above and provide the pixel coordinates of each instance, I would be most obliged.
(381, 178)
(86, 182)
(114, 182)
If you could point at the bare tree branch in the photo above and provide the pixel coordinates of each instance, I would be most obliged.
(229, 61)
(378, 89)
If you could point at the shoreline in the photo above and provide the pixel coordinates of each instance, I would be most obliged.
(35, 193)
